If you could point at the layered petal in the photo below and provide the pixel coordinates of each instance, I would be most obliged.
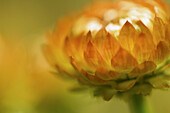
(107, 75)
(123, 61)
(144, 68)
(91, 78)
(92, 56)
(144, 44)
(161, 53)
(167, 33)
(113, 47)
(110, 47)
(158, 30)
(127, 37)
(126, 85)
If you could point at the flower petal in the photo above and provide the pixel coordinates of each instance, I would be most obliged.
(144, 44)
(63, 65)
(110, 47)
(123, 86)
(75, 46)
(160, 82)
(92, 79)
(105, 93)
(107, 75)
(161, 53)
(167, 33)
(158, 30)
(99, 37)
(144, 68)
(92, 56)
(144, 29)
(143, 47)
(123, 61)
(127, 36)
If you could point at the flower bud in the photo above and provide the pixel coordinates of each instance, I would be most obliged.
(114, 46)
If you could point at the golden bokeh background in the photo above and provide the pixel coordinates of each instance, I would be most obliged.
(26, 82)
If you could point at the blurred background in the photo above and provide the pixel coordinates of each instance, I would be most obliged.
(26, 84)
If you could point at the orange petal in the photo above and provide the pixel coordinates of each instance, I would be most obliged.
(88, 37)
(125, 85)
(123, 61)
(63, 73)
(99, 37)
(92, 79)
(75, 46)
(92, 56)
(110, 47)
(63, 68)
(127, 36)
(161, 53)
(69, 47)
(158, 30)
(144, 44)
(107, 75)
(80, 42)
(167, 33)
(143, 47)
(144, 29)
(144, 68)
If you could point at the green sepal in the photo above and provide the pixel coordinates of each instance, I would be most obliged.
(160, 82)
(105, 93)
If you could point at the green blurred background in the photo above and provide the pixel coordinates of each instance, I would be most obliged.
(26, 85)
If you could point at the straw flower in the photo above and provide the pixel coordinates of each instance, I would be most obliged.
(114, 47)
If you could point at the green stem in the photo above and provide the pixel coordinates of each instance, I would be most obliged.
(139, 104)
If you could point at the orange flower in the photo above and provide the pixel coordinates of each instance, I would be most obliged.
(116, 44)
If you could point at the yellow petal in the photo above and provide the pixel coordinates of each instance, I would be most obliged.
(123, 86)
(92, 56)
(59, 61)
(92, 79)
(107, 75)
(161, 53)
(75, 45)
(127, 36)
(144, 29)
(144, 68)
(69, 47)
(158, 30)
(167, 33)
(144, 44)
(110, 47)
(123, 61)
(143, 47)
(98, 39)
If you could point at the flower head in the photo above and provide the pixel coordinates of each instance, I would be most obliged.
(121, 45)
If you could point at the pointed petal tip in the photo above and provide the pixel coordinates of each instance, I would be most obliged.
(123, 61)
